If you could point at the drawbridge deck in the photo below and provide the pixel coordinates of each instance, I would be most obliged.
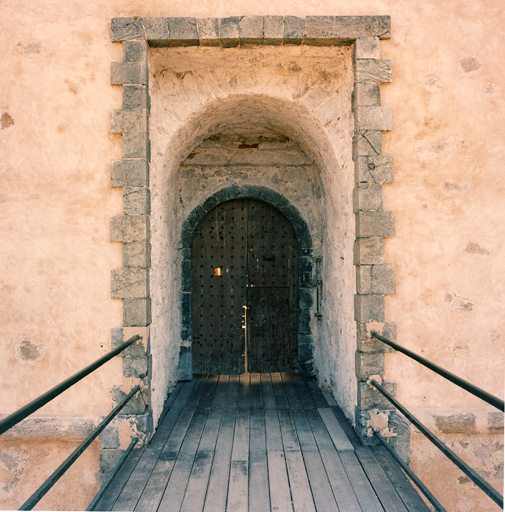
(258, 442)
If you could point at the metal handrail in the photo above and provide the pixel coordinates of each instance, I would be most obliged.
(471, 473)
(43, 399)
(483, 395)
(46, 486)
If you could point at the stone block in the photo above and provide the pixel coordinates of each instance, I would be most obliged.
(495, 422)
(186, 283)
(369, 70)
(369, 251)
(129, 73)
(137, 349)
(294, 30)
(136, 96)
(321, 31)
(132, 173)
(373, 224)
(124, 29)
(307, 368)
(189, 225)
(130, 283)
(331, 30)
(366, 143)
(304, 321)
(208, 31)
(273, 30)
(109, 437)
(136, 200)
(137, 405)
(229, 33)
(130, 228)
(369, 308)
(373, 169)
(128, 120)
(308, 272)
(305, 347)
(369, 363)
(137, 254)
(134, 51)
(365, 95)
(462, 423)
(251, 30)
(116, 337)
(185, 368)
(183, 31)
(367, 197)
(156, 32)
(186, 308)
(401, 442)
(373, 118)
(135, 367)
(367, 48)
(370, 398)
(136, 312)
(375, 279)
(136, 145)
(367, 343)
(142, 347)
(307, 298)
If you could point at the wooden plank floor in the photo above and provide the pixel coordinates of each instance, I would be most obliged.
(258, 442)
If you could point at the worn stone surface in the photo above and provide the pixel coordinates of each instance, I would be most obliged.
(369, 308)
(365, 94)
(136, 312)
(456, 423)
(373, 118)
(135, 96)
(137, 254)
(132, 173)
(367, 48)
(183, 31)
(374, 169)
(229, 31)
(273, 30)
(251, 30)
(136, 200)
(128, 73)
(208, 31)
(134, 51)
(129, 228)
(129, 120)
(367, 343)
(369, 251)
(294, 30)
(136, 145)
(367, 197)
(374, 224)
(136, 367)
(156, 31)
(368, 363)
(130, 283)
(366, 143)
(368, 70)
(370, 398)
(124, 29)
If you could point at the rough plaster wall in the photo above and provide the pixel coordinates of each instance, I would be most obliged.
(302, 93)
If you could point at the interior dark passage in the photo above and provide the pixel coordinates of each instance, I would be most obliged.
(245, 290)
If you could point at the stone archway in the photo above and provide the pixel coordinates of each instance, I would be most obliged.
(307, 271)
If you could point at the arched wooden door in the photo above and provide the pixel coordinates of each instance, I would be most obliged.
(245, 290)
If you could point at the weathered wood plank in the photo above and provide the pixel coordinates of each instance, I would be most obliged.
(267, 391)
(342, 488)
(279, 393)
(114, 490)
(176, 487)
(220, 397)
(233, 390)
(217, 491)
(244, 392)
(238, 495)
(259, 496)
(303, 392)
(200, 384)
(291, 392)
(256, 399)
(402, 485)
(379, 480)
(329, 398)
(209, 391)
(340, 440)
(316, 393)
(280, 494)
(198, 481)
(299, 482)
(157, 480)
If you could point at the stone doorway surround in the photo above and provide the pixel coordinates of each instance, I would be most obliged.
(374, 279)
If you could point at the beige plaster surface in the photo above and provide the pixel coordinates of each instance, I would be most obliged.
(56, 147)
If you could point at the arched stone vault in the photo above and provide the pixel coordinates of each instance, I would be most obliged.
(353, 221)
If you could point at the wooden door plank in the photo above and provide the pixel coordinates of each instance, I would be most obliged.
(116, 486)
(244, 393)
(156, 480)
(342, 488)
(402, 485)
(176, 487)
(303, 392)
(217, 491)
(318, 479)
(197, 485)
(267, 391)
(256, 400)
(279, 393)
(316, 393)
(221, 395)
(291, 392)
(362, 488)
(379, 480)
(259, 496)
(340, 439)
(238, 495)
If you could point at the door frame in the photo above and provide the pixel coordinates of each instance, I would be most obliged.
(308, 279)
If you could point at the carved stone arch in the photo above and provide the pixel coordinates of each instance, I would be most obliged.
(307, 271)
